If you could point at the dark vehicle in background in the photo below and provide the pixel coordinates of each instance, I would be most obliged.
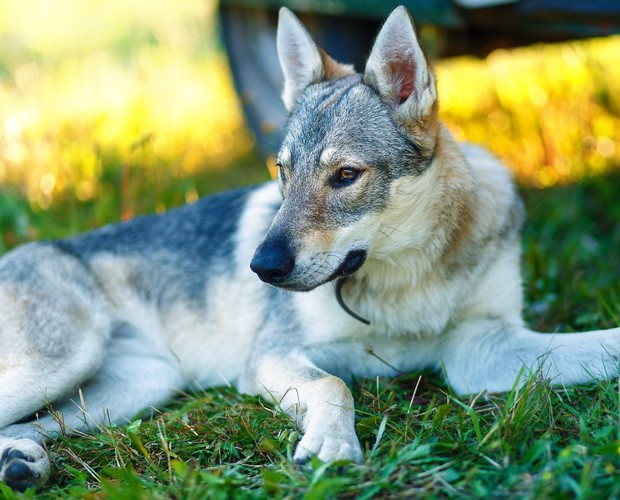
(346, 29)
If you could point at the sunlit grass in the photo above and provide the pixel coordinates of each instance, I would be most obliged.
(87, 86)
(551, 112)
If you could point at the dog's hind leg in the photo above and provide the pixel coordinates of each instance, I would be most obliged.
(134, 376)
(491, 355)
(54, 331)
(54, 328)
(57, 335)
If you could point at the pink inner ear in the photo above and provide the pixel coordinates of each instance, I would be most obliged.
(403, 76)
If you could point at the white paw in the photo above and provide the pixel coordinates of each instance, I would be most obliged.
(23, 464)
(328, 447)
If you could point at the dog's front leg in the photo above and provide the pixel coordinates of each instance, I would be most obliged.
(321, 404)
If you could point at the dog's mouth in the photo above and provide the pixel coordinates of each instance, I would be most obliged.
(352, 262)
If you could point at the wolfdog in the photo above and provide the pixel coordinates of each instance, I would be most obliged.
(381, 231)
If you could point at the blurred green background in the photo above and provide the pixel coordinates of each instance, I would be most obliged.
(111, 109)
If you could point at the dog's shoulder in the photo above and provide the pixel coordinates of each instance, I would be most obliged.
(171, 256)
(498, 207)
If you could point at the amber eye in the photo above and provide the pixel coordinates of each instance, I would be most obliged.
(345, 177)
(348, 174)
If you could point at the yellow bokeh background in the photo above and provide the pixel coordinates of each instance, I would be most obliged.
(136, 83)
(145, 85)
(552, 112)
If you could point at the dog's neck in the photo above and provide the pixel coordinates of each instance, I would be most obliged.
(428, 225)
(428, 218)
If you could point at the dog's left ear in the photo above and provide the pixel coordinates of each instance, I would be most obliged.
(303, 62)
(399, 71)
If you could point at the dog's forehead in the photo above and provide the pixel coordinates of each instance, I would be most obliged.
(332, 118)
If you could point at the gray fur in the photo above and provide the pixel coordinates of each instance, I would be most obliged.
(175, 249)
(348, 124)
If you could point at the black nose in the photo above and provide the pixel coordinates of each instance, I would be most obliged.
(273, 261)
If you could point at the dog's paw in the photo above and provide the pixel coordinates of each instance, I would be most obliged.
(23, 464)
(328, 448)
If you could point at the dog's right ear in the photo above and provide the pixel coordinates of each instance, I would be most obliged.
(302, 61)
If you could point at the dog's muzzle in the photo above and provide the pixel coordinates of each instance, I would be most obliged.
(274, 263)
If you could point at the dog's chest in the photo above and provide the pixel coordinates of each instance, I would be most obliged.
(406, 316)
(344, 346)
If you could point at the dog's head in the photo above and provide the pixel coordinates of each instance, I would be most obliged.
(350, 138)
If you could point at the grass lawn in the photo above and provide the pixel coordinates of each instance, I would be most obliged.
(75, 155)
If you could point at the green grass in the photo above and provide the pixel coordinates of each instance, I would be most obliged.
(571, 253)
(418, 437)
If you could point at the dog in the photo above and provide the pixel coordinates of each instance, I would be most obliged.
(384, 247)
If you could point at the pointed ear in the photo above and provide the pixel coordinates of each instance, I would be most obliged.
(398, 69)
(302, 61)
